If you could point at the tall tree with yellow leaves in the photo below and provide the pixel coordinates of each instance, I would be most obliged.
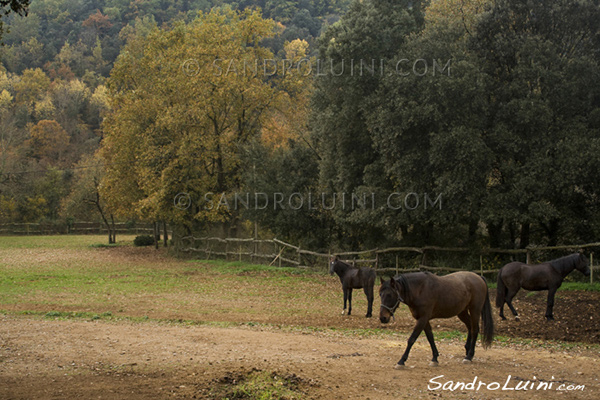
(184, 102)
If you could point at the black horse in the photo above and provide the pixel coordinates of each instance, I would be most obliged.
(547, 276)
(354, 278)
(464, 294)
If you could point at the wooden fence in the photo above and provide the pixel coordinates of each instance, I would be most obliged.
(74, 228)
(280, 253)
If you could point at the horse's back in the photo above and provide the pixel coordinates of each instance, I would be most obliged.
(466, 278)
(528, 276)
(358, 278)
(458, 291)
(368, 273)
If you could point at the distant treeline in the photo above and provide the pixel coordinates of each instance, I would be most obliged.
(491, 110)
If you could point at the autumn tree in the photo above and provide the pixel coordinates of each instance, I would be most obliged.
(48, 141)
(85, 198)
(184, 101)
(98, 22)
(32, 85)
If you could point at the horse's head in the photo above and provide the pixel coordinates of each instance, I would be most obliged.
(583, 265)
(332, 263)
(389, 293)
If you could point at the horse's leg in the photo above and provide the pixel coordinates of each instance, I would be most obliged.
(419, 326)
(369, 293)
(429, 333)
(349, 301)
(474, 314)
(466, 319)
(509, 296)
(345, 300)
(550, 304)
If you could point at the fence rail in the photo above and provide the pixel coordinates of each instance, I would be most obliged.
(280, 253)
(74, 228)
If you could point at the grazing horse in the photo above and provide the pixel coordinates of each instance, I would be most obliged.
(354, 278)
(429, 296)
(547, 276)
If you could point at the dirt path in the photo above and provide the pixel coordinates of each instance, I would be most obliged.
(46, 359)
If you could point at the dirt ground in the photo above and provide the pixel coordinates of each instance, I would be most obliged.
(577, 317)
(321, 353)
(45, 359)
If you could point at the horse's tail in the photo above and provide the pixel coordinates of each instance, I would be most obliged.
(500, 290)
(487, 320)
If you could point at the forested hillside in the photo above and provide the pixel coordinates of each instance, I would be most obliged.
(449, 122)
(53, 70)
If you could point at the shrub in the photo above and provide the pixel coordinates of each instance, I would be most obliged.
(143, 240)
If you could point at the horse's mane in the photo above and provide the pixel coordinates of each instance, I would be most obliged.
(561, 264)
(404, 285)
(345, 264)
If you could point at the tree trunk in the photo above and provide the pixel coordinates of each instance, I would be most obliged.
(155, 234)
(495, 232)
(512, 229)
(166, 235)
(552, 231)
(525, 227)
(113, 228)
(473, 224)
(105, 220)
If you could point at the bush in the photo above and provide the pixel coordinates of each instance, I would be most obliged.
(143, 240)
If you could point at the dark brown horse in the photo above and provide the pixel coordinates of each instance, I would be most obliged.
(547, 276)
(354, 278)
(428, 296)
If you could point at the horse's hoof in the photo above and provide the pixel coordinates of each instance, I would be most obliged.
(368, 316)
(517, 319)
(399, 366)
(466, 361)
(503, 317)
(343, 312)
(434, 364)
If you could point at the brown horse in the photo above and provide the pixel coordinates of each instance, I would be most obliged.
(354, 278)
(428, 296)
(547, 276)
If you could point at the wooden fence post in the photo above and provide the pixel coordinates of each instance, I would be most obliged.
(299, 257)
(397, 264)
(528, 261)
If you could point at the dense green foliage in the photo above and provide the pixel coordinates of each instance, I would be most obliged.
(143, 240)
(481, 119)
(508, 136)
